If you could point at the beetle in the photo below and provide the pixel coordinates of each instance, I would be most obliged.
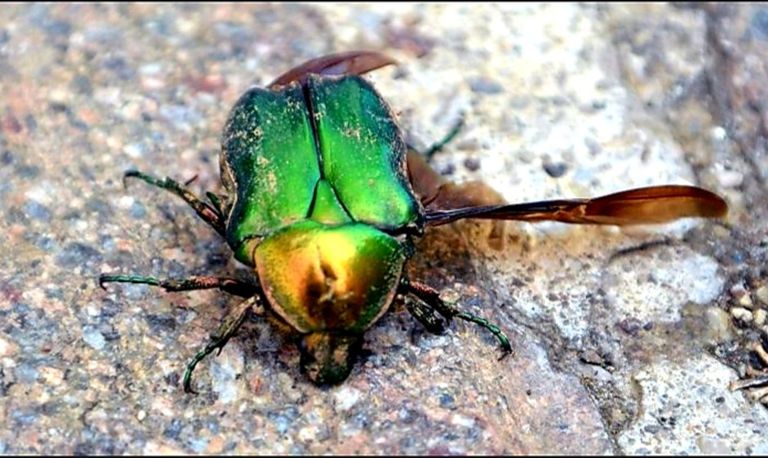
(323, 200)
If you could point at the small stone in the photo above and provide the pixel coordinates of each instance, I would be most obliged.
(7, 348)
(159, 448)
(760, 316)
(593, 146)
(718, 324)
(741, 295)
(485, 86)
(164, 406)
(714, 446)
(730, 178)
(591, 357)
(141, 415)
(742, 314)
(555, 170)
(759, 24)
(461, 420)
(447, 401)
(135, 150)
(746, 301)
(215, 446)
(719, 133)
(762, 294)
(346, 398)
(224, 373)
(472, 164)
(630, 326)
(36, 210)
(52, 376)
(93, 338)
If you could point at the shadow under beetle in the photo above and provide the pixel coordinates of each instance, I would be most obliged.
(323, 199)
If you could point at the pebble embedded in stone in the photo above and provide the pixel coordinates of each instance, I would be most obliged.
(94, 338)
(762, 294)
(555, 169)
(742, 314)
(760, 316)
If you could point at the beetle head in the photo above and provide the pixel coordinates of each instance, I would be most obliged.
(328, 357)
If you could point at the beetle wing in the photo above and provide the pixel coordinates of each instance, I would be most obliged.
(345, 63)
(651, 205)
(269, 162)
(424, 180)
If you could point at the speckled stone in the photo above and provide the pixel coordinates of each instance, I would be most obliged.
(560, 100)
(676, 420)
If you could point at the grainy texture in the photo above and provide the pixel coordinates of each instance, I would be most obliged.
(626, 340)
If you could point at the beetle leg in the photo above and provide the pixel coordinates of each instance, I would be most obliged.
(431, 297)
(424, 179)
(229, 285)
(426, 315)
(228, 327)
(216, 202)
(440, 144)
(210, 215)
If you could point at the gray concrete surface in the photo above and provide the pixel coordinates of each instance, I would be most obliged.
(626, 340)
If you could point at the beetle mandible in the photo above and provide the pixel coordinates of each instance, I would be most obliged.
(323, 200)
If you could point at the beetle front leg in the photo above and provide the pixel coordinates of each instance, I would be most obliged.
(431, 297)
(211, 215)
(229, 326)
(229, 285)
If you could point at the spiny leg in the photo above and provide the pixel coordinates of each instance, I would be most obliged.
(216, 202)
(229, 285)
(425, 314)
(431, 297)
(210, 215)
(229, 326)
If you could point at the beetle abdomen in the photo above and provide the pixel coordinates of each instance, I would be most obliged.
(329, 278)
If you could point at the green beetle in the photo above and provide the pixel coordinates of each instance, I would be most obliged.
(323, 200)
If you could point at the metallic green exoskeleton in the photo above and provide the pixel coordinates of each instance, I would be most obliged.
(322, 199)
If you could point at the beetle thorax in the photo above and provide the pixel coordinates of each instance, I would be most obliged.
(329, 278)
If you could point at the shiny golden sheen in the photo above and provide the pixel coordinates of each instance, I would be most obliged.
(322, 278)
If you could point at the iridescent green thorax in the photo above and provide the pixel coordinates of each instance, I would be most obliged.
(329, 151)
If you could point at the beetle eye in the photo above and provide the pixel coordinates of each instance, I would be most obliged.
(328, 357)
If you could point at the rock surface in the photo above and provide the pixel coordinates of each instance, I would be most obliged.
(625, 339)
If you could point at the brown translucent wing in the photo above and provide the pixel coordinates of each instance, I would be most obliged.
(345, 63)
(651, 205)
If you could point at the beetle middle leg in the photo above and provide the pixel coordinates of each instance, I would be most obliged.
(228, 327)
(229, 285)
(425, 314)
(210, 214)
(431, 298)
